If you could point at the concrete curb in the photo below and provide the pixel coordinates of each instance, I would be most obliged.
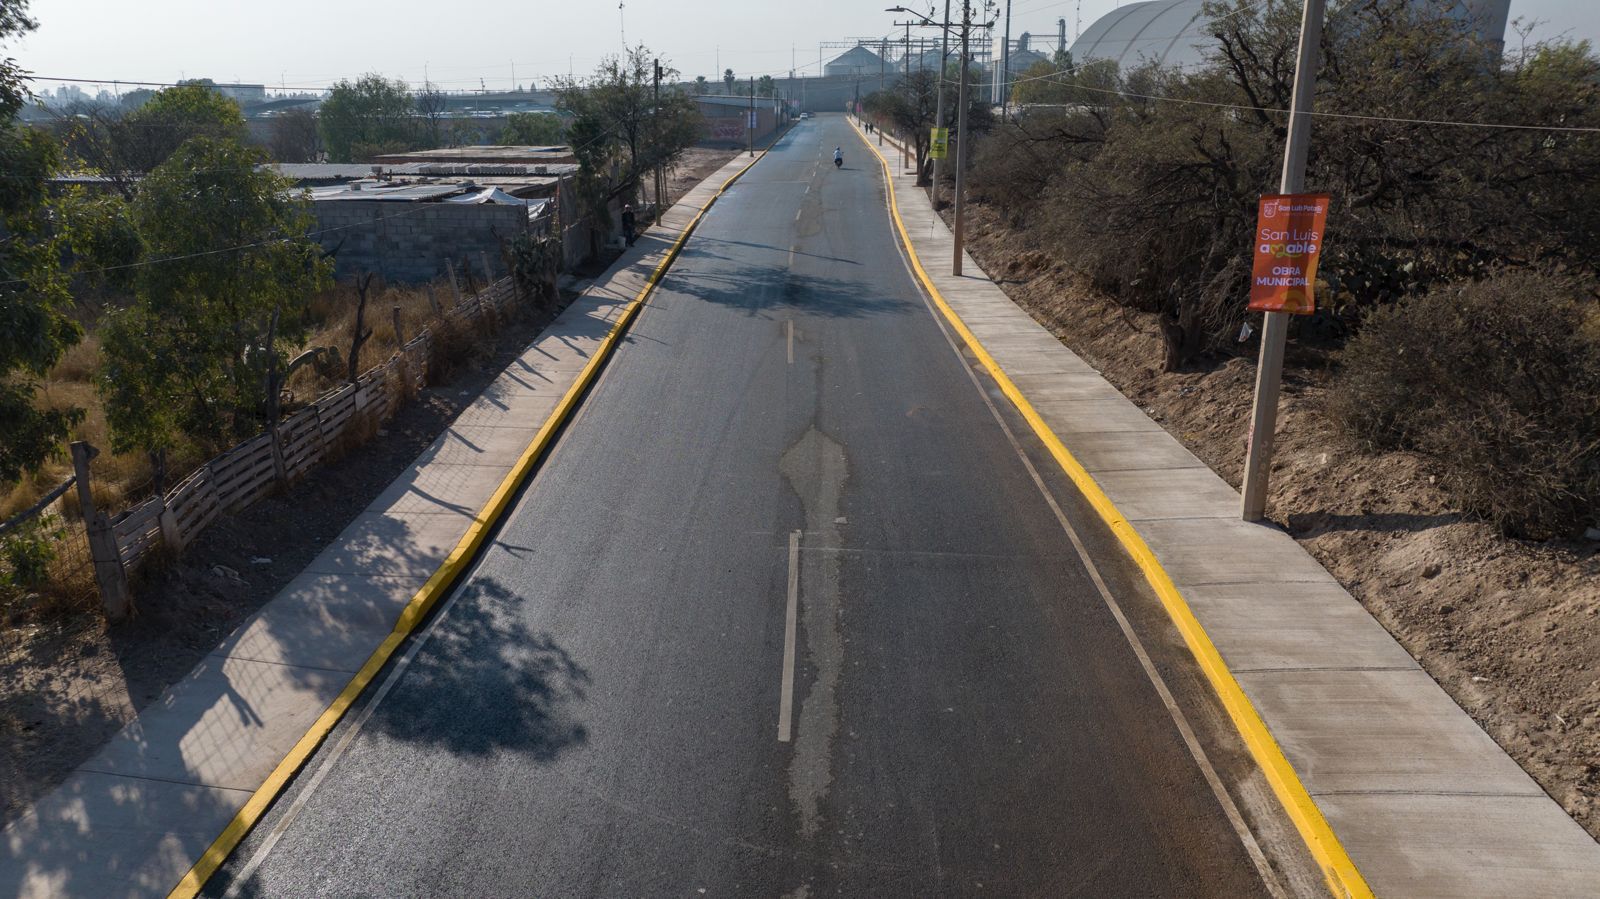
(1395, 789)
(214, 751)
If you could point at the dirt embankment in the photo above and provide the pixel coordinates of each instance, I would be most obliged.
(1510, 628)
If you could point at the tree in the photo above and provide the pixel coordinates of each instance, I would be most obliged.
(617, 130)
(1415, 204)
(126, 145)
(535, 129)
(728, 79)
(765, 86)
(294, 136)
(34, 327)
(909, 108)
(701, 86)
(432, 105)
(227, 277)
(368, 117)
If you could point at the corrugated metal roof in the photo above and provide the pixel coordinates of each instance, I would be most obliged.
(336, 171)
(321, 171)
(487, 168)
(378, 190)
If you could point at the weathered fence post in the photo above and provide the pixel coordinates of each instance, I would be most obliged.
(280, 467)
(433, 303)
(108, 570)
(274, 409)
(450, 267)
(169, 527)
(488, 271)
(399, 331)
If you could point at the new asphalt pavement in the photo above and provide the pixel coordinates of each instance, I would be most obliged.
(785, 613)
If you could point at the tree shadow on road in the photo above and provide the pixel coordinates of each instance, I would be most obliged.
(773, 291)
(485, 683)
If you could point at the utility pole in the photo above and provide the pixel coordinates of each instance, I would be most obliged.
(1275, 329)
(961, 140)
(752, 129)
(655, 119)
(1005, 66)
(938, 106)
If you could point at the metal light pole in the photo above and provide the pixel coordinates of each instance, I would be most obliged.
(961, 141)
(1275, 330)
(751, 131)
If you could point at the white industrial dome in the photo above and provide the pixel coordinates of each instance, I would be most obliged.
(1165, 32)
(1173, 32)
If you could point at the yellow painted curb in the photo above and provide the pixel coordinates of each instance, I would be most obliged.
(1343, 878)
(436, 586)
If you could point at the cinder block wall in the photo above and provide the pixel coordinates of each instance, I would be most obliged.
(409, 242)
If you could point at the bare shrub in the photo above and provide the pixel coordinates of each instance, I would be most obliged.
(1017, 163)
(1499, 382)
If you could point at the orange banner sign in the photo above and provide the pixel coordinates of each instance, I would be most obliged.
(1289, 229)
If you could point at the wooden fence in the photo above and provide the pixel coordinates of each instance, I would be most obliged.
(274, 459)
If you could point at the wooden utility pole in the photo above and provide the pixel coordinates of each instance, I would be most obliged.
(1275, 329)
(938, 106)
(961, 140)
(1005, 65)
(655, 119)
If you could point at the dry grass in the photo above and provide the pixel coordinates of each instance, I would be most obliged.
(121, 479)
(335, 312)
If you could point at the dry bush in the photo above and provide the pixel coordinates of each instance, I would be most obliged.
(1499, 382)
(1015, 164)
(79, 363)
(335, 310)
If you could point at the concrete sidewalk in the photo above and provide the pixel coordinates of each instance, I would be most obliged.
(133, 819)
(1422, 799)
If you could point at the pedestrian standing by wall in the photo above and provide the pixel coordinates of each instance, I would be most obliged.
(630, 224)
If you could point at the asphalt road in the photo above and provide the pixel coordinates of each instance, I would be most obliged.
(599, 713)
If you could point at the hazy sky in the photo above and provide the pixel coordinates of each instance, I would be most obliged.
(312, 43)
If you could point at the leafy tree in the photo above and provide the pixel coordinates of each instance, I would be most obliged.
(294, 136)
(535, 129)
(910, 107)
(728, 79)
(765, 86)
(701, 86)
(368, 117)
(617, 130)
(126, 145)
(228, 275)
(34, 327)
(155, 130)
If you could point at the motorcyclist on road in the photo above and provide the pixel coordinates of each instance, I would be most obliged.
(838, 156)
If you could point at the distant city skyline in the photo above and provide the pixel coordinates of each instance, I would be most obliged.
(300, 45)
